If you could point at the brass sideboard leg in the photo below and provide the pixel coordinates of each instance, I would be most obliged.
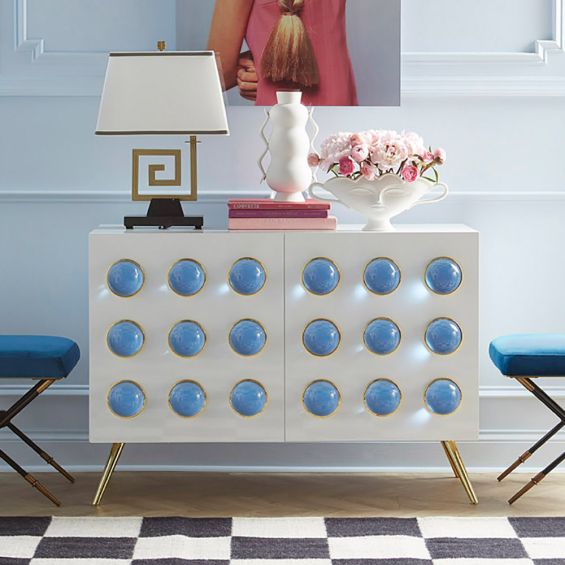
(115, 453)
(448, 454)
(456, 462)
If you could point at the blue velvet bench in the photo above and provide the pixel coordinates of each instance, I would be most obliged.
(525, 357)
(46, 359)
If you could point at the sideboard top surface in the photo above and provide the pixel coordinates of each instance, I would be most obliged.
(346, 228)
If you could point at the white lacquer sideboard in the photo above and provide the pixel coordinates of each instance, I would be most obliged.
(382, 348)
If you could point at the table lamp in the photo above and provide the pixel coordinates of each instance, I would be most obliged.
(163, 93)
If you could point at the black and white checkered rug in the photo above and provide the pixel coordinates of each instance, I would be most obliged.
(293, 541)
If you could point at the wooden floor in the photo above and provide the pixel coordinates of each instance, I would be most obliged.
(212, 494)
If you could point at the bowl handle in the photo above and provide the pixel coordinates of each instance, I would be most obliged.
(318, 196)
(438, 198)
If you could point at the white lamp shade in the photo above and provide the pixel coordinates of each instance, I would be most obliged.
(173, 93)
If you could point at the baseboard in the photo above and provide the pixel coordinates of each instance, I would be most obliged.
(446, 469)
(104, 196)
(495, 450)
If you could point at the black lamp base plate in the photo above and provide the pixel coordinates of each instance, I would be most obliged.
(164, 222)
(164, 213)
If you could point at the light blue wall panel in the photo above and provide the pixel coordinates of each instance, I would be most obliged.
(513, 193)
(478, 26)
(101, 25)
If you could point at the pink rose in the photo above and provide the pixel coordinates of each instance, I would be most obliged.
(414, 143)
(356, 139)
(427, 157)
(314, 159)
(361, 138)
(373, 136)
(440, 155)
(410, 173)
(360, 152)
(346, 166)
(368, 170)
(389, 154)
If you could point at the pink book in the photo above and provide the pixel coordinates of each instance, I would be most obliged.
(268, 204)
(278, 213)
(305, 224)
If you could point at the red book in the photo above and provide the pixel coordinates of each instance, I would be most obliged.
(303, 224)
(277, 213)
(268, 204)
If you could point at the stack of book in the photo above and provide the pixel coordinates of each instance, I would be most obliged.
(266, 214)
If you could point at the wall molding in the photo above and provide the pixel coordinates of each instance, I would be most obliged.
(490, 74)
(543, 49)
(475, 86)
(115, 196)
(221, 196)
(54, 390)
(34, 72)
(496, 447)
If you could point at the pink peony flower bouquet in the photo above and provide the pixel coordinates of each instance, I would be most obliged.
(373, 153)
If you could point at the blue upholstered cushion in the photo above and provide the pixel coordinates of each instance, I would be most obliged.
(37, 356)
(529, 355)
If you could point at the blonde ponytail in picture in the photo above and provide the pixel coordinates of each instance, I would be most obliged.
(289, 55)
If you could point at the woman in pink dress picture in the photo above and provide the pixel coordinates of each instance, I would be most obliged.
(293, 45)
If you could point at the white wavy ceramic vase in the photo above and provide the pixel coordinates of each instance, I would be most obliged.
(379, 200)
(288, 174)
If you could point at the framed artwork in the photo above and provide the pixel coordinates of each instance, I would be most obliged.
(337, 52)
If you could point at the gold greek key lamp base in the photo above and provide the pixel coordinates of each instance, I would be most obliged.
(450, 448)
(172, 104)
(165, 211)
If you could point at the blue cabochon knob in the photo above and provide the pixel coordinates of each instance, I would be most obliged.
(126, 399)
(443, 276)
(125, 278)
(443, 396)
(321, 398)
(382, 276)
(321, 337)
(125, 338)
(187, 277)
(187, 399)
(248, 398)
(187, 339)
(382, 336)
(443, 336)
(247, 337)
(382, 397)
(247, 276)
(320, 276)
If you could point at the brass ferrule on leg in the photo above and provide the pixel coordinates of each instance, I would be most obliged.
(58, 467)
(45, 385)
(37, 485)
(525, 382)
(522, 459)
(535, 480)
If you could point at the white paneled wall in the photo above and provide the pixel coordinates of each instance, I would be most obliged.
(483, 26)
(484, 79)
(101, 25)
